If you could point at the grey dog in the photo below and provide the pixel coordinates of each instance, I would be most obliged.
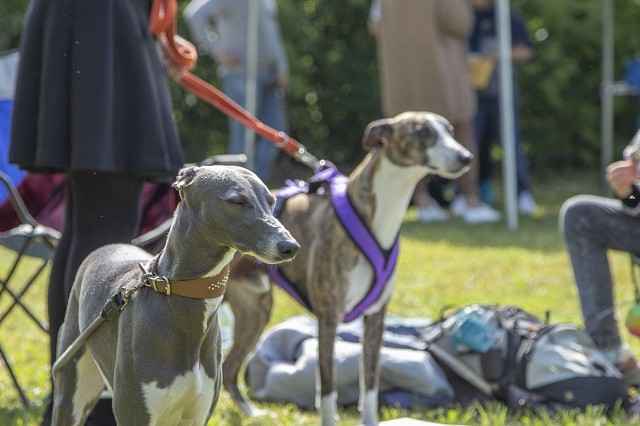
(160, 357)
(330, 270)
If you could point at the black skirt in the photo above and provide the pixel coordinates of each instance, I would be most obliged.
(92, 92)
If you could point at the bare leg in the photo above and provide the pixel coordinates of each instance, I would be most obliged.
(465, 134)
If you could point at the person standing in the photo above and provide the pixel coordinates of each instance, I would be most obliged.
(92, 100)
(422, 52)
(219, 28)
(483, 44)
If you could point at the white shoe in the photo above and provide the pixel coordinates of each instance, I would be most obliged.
(526, 203)
(458, 206)
(626, 363)
(432, 213)
(481, 214)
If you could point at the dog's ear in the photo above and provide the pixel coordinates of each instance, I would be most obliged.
(184, 179)
(375, 134)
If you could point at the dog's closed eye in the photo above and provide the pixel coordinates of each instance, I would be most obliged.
(239, 200)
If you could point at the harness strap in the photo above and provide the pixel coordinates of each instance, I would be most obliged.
(383, 263)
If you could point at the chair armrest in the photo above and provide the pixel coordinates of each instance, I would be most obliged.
(17, 202)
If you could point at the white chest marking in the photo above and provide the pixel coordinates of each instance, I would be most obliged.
(187, 400)
(359, 285)
(210, 307)
(393, 187)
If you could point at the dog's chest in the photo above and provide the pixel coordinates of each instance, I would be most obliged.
(187, 399)
(359, 285)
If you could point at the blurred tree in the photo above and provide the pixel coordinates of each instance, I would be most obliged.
(334, 84)
(560, 88)
(11, 14)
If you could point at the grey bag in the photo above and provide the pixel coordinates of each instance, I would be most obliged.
(562, 363)
(508, 354)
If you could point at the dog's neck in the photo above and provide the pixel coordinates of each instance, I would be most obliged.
(182, 258)
(380, 191)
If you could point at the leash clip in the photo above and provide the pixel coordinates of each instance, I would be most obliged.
(150, 280)
(114, 305)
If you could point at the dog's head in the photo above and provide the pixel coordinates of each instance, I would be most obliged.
(235, 209)
(419, 139)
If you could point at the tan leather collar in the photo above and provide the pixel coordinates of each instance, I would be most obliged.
(197, 288)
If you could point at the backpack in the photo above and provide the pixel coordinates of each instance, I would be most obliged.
(494, 352)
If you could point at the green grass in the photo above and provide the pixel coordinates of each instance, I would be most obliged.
(440, 264)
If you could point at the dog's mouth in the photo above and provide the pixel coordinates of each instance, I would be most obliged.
(447, 173)
(273, 260)
(282, 251)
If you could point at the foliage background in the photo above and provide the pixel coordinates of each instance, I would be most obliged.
(334, 85)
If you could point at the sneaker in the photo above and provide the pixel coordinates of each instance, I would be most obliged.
(526, 203)
(481, 214)
(628, 366)
(432, 213)
(458, 206)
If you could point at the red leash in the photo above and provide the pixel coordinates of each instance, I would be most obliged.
(183, 56)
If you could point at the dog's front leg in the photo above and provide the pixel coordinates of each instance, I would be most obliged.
(370, 367)
(327, 390)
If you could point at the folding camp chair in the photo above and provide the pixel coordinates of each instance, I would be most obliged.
(27, 240)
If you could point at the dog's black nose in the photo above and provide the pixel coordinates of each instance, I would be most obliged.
(465, 157)
(288, 248)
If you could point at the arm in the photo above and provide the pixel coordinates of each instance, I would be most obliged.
(622, 177)
(199, 15)
(521, 53)
(522, 49)
(282, 73)
(456, 17)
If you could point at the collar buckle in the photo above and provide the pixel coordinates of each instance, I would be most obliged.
(151, 280)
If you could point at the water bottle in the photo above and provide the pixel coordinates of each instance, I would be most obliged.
(471, 331)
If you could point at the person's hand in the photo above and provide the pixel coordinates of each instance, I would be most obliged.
(620, 176)
(282, 80)
(229, 59)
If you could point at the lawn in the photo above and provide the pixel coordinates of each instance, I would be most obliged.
(439, 265)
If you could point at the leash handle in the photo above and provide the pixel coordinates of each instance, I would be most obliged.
(180, 53)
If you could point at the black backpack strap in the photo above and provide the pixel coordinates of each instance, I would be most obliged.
(518, 339)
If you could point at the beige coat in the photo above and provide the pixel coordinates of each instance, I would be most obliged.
(422, 49)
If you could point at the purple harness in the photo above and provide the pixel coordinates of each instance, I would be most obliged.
(383, 262)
